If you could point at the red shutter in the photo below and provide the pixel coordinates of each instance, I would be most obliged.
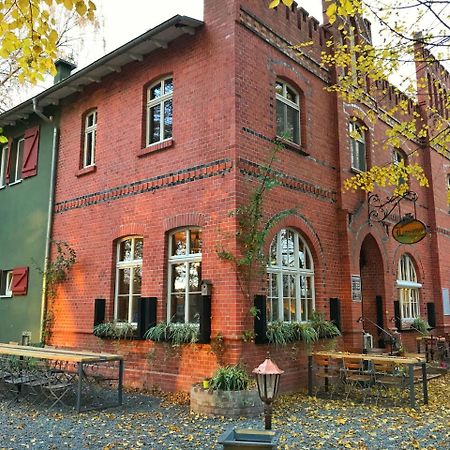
(30, 152)
(20, 281)
(8, 164)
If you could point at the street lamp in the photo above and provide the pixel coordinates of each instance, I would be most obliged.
(268, 380)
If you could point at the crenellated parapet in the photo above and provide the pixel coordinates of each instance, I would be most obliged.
(292, 25)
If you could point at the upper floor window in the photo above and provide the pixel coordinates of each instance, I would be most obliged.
(128, 279)
(288, 112)
(408, 288)
(159, 111)
(15, 161)
(358, 146)
(398, 157)
(90, 134)
(290, 273)
(6, 283)
(185, 275)
(3, 164)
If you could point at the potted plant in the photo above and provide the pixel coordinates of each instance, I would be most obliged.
(115, 330)
(231, 393)
(420, 324)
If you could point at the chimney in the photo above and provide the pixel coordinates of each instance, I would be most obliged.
(63, 70)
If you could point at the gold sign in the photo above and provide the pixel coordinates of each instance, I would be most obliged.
(409, 231)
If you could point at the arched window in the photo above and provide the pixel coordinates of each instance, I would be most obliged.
(408, 288)
(290, 278)
(159, 111)
(288, 112)
(358, 146)
(185, 275)
(128, 278)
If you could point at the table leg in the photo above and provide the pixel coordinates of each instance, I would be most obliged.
(310, 380)
(412, 395)
(425, 383)
(120, 386)
(80, 384)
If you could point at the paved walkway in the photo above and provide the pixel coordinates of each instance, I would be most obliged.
(152, 422)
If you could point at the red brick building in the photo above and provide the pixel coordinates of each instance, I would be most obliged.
(167, 135)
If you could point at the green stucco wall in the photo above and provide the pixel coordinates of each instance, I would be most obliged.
(23, 223)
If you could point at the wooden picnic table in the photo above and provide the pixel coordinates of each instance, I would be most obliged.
(410, 361)
(81, 358)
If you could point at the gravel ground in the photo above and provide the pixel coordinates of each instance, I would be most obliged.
(164, 422)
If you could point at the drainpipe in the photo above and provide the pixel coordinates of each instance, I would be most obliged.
(51, 196)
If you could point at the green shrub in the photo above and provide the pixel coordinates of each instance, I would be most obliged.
(230, 378)
(283, 333)
(115, 330)
(175, 333)
(420, 324)
(324, 328)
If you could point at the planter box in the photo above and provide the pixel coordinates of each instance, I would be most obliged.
(226, 403)
(235, 438)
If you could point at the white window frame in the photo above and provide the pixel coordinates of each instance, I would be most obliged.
(19, 151)
(398, 156)
(130, 264)
(355, 142)
(294, 105)
(3, 165)
(187, 259)
(90, 130)
(8, 285)
(278, 270)
(448, 192)
(151, 103)
(408, 289)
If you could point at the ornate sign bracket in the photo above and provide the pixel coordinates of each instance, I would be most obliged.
(379, 210)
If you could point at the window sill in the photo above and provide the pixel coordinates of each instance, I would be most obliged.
(86, 170)
(6, 296)
(156, 146)
(3, 187)
(292, 146)
(357, 171)
(15, 182)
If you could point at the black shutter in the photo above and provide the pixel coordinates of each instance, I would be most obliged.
(99, 311)
(398, 320)
(260, 325)
(205, 320)
(431, 312)
(335, 312)
(147, 315)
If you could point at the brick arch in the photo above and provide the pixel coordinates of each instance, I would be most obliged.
(184, 220)
(299, 223)
(130, 229)
(378, 234)
(414, 255)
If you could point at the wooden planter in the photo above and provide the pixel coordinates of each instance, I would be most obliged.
(226, 403)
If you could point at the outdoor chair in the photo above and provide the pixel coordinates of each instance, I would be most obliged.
(389, 378)
(20, 373)
(59, 385)
(329, 370)
(357, 377)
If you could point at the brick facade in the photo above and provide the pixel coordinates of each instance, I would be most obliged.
(224, 121)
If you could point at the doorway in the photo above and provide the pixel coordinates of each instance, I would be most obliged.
(373, 294)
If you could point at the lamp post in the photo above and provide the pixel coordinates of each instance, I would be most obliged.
(268, 381)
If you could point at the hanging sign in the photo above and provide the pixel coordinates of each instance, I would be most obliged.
(409, 231)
